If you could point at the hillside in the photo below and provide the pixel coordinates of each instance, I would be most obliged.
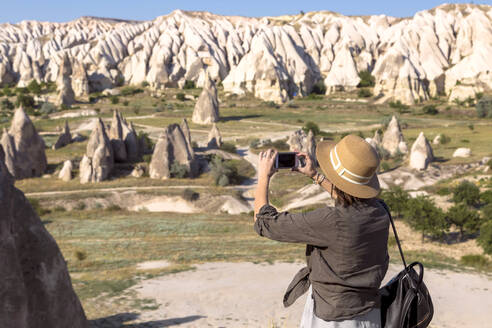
(443, 51)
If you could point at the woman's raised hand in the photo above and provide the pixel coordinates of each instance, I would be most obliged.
(266, 163)
(307, 169)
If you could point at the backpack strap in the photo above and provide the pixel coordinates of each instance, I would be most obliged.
(394, 231)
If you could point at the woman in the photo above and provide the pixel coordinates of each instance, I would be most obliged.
(346, 251)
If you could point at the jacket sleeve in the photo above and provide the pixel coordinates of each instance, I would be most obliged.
(317, 227)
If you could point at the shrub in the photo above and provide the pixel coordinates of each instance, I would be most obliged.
(254, 143)
(129, 91)
(189, 85)
(271, 104)
(36, 206)
(471, 127)
(80, 206)
(136, 110)
(120, 80)
(291, 104)
(396, 198)
(430, 110)
(47, 108)
(465, 219)
(228, 147)
(485, 237)
(443, 191)
(113, 208)
(144, 84)
(366, 79)
(34, 87)
(364, 93)
(80, 255)
(114, 100)
(190, 195)
(487, 212)
(223, 172)
(7, 104)
(313, 96)
(125, 103)
(319, 88)
(466, 192)
(486, 197)
(311, 126)
(385, 166)
(444, 139)
(25, 100)
(7, 92)
(181, 96)
(399, 106)
(475, 260)
(424, 216)
(178, 170)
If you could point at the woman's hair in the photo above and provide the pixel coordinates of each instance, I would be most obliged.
(345, 199)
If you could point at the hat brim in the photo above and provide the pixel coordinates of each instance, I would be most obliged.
(369, 190)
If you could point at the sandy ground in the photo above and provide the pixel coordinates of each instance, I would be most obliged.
(250, 295)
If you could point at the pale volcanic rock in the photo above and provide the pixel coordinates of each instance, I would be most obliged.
(171, 148)
(24, 148)
(207, 107)
(393, 140)
(98, 162)
(272, 58)
(437, 140)
(462, 152)
(343, 74)
(421, 153)
(80, 82)
(66, 171)
(214, 138)
(66, 95)
(311, 145)
(36, 286)
(65, 137)
(123, 139)
(138, 171)
(297, 141)
(186, 132)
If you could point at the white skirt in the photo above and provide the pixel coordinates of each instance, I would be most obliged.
(371, 319)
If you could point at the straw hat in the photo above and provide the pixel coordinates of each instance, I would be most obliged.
(350, 165)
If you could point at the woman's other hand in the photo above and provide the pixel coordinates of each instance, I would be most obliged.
(266, 163)
(307, 169)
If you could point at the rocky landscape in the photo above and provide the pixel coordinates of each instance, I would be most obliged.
(442, 51)
(137, 151)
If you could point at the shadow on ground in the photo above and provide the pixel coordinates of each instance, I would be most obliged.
(119, 321)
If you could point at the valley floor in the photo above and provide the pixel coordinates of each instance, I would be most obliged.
(250, 295)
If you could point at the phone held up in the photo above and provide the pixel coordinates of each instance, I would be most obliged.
(289, 160)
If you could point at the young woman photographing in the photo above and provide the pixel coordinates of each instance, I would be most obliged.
(346, 252)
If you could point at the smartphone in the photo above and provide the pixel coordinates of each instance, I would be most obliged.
(286, 160)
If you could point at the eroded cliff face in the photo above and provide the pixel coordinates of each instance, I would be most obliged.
(445, 50)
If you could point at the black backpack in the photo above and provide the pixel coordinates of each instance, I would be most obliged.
(405, 300)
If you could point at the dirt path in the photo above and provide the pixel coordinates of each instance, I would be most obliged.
(250, 295)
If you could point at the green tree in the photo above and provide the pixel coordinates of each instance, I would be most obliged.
(424, 216)
(7, 104)
(484, 107)
(25, 101)
(464, 218)
(311, 126)
(366, 79)
(396, 198)
(485, 237)
(34, 87)
(319, 88)
(466, 192)
(487, 212)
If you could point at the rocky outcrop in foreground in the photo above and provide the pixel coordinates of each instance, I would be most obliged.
(421, 153)
(207, 107)
(172, 150)
(393, 141)
(25, 155)
(98, 161)
(273, 58)
(123, 139)
(36, 289)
